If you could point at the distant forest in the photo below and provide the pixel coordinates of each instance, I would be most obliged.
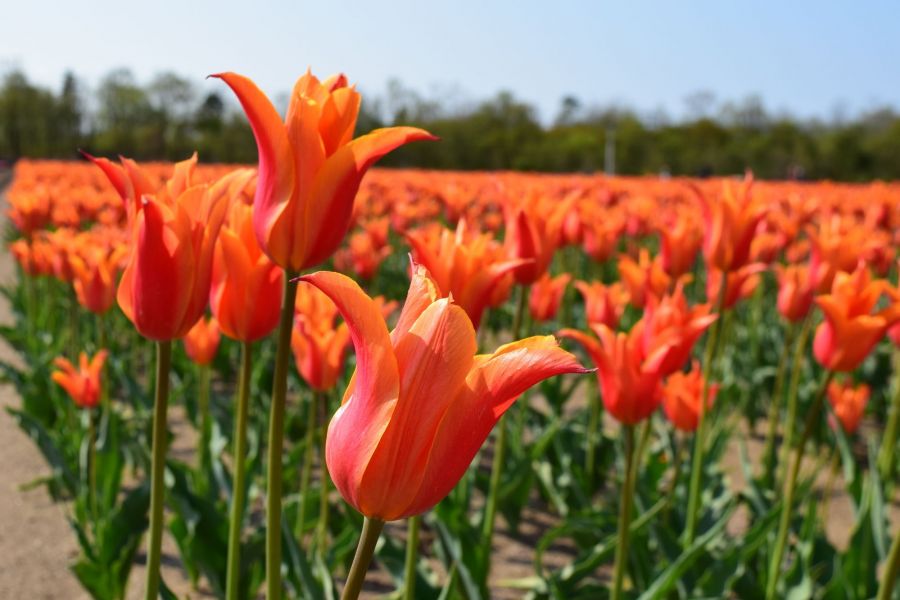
(167, 118)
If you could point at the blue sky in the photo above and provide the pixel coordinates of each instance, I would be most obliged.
(803, 57)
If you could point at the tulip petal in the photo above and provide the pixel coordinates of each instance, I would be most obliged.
(423, 290)
(338, 180)
(492, 385)
(359, 423)
(113, 172)
(277, 172)
(434, 357)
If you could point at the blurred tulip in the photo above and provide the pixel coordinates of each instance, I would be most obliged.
(246, 287)
(202, 341)
(850, 330)
(533, 233)
(680, 243)
(683, 398)
(82, 383)
(361, 256)
(730, 224)
(796, 290)
(420, 404)
(546, 294)
(470, 267)
(629, 379)
(603, 304)
(95, 270)
(849, 403)
(310, 168)
(740, 284)
(644, 278)
(165, 287)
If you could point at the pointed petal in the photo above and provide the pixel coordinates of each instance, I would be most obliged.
(338, 180)
(113, 172)
(423, 290)
(493, 383)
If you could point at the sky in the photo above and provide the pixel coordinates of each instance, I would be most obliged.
(809, 59)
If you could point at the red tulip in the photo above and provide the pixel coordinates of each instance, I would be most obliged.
(202, 341)
(82, 383)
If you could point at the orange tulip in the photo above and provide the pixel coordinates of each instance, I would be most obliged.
(319, 346)
(95, 270)
(850, 330)
(471, 268)
(82, 383)
(202, 341)
(309, 167)
(730, 224)
(680, 242)
(246, 289)
(849, 403)
(420, 404)
(546, 294)
(165, 287)
(796, 289)
(643, 278)
(629, 378)
(602, 303)
(740, 284)
(361, 255)
(533, 233)
(682, 398)
(670, 328)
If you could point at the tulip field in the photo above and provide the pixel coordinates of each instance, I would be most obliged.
(311, 378)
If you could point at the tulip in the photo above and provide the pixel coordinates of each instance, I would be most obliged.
(644, 278)
(729, 226)
(851, 330)
(603, 304)
(533, 233)
(165, 287)
(82, 383)
(246, 287)
(470, 267)
(848, 402)
(796, 290)
(361, 255)
(309, 166)
(95, 271)
(682, 398)
(420, 404)
(740, 284)
(319, 345)
(546, 294)
(202, 341)
(680, 242)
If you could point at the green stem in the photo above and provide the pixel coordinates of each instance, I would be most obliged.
(591, 440)
(696, 482)
(92, 464)
(793, 387)
(276, 441)
(790, 485)
(203, 407)
(158, 468)
(891, 571)
(412, 557)
(889, 440)
(322, 531)
(101, 345)
(357, 575)
(30, 305)
(624, 515)
(239, 487)
(73, 324)
(308, 452)
(676, 475)
(490, 507)
(775, 407)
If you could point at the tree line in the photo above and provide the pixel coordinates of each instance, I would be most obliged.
(167, 118)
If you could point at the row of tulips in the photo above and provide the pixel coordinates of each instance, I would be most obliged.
(660, 266)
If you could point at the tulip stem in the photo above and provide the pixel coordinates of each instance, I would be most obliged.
(624, 514)
(276, 441)
(591, 439)
(364, 551)
(101, 345)
(412, 556)
(322, 531)
(790, 485)
(203, 407)
(92, 464)
(490, 507)
(793, 387)
(696, 482)
(891, 571)
(889, 440)
(158, 468)
(774, 414)
(30, 305)
(308, 452)
(239, 487)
